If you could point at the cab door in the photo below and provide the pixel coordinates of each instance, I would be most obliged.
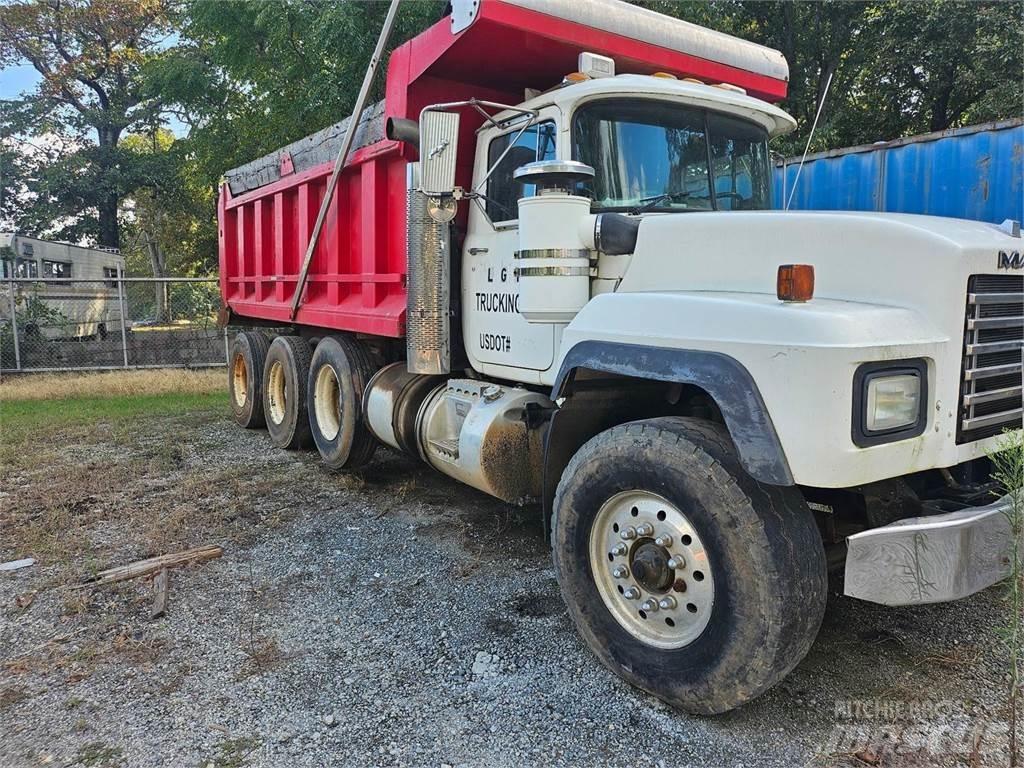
(496, 336)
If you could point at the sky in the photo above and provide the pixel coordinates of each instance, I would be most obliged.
(15, 80)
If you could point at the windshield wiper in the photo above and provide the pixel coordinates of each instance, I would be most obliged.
(652, 202)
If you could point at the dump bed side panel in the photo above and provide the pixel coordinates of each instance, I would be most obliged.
(357, 277)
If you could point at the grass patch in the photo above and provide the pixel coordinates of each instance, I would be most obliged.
(157, 381)
(97, 754)
(21, 418)
(233, 753)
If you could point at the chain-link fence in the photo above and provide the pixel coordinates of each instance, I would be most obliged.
(119, 322)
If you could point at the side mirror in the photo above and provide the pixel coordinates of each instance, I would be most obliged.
(439, 143)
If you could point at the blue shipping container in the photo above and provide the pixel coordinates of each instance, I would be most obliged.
(975, 172)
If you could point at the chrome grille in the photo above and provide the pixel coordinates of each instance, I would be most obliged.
(993, 357)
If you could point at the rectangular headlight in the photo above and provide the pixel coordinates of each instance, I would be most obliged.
(892, 401)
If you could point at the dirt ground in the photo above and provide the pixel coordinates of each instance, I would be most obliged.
(391, 618)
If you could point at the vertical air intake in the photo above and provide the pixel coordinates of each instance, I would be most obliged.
(428, 245)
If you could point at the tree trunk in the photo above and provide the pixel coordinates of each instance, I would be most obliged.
(110, 232)
(940, 117)
(940, 111)
(159, 262)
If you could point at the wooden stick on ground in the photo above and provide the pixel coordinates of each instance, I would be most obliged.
(160, 591)
(154, 564)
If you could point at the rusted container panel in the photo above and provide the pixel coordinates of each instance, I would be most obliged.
(975, 172)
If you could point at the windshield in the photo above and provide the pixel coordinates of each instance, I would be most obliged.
(667, 157)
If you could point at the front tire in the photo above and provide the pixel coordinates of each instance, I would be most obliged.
(686, 577)
(284, 392)
(338, 375)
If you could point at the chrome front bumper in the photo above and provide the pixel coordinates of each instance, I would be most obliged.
(931, 559)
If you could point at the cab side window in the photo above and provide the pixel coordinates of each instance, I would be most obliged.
(536, 143)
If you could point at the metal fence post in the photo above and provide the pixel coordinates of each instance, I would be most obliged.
(121, 302)
(14, 325)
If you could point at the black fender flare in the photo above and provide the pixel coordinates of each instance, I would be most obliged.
(723, 377)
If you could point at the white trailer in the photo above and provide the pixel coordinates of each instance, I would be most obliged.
(62, 291)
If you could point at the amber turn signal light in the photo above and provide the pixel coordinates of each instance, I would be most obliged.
(795, 283)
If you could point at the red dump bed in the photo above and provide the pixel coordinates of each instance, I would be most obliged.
(490, 49)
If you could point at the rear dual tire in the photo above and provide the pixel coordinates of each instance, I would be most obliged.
(246, 361)
(338, 374)
(284, 392)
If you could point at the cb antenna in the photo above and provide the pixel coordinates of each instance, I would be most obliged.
(810, 136)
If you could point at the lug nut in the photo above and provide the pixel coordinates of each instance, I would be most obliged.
(676, 562)
(664, 540)
(667, 603)
(645, 529)
(620, 571)
(632, 593)
(628, 533)
(649, 605)
(619, 550)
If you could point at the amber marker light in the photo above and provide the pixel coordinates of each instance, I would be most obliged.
(575, 77)
(795, 282)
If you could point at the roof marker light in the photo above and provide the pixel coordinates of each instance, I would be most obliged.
(594, 65)
(730, 87)
(665, 75)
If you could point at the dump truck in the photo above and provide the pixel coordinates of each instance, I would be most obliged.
(550, 270)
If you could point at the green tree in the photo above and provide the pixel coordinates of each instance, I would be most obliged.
(252, 75)
(936, 65)
(167, 218)
(90, 55)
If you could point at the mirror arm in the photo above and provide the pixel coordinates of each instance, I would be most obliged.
(508, 149)
(479, 105)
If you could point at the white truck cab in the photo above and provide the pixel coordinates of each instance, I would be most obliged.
(644, 113)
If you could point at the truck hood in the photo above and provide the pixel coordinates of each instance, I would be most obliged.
(918, 262)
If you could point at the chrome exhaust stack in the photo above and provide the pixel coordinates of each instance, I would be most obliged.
(428, 314)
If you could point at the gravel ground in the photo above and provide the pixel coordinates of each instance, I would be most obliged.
(397, 618)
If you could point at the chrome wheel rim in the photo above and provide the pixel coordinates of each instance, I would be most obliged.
(276, 392)
(327, 402)
(651, 569)
(239, 381)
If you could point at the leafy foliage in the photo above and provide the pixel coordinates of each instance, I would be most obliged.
(252, 75)
(90, 55)
(898, 68)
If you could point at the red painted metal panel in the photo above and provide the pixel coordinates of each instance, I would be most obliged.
(357, 277)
